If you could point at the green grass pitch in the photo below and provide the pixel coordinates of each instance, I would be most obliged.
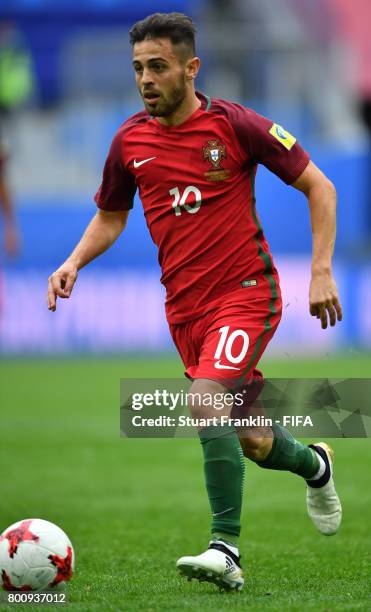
(132, 507)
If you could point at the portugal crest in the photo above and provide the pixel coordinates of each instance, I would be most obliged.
(214, 152)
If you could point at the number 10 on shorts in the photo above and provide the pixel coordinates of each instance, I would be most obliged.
(226, 343)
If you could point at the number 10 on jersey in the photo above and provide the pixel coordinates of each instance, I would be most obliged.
(180, 200)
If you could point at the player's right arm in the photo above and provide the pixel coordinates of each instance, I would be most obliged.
(101, 233)
(114, 199)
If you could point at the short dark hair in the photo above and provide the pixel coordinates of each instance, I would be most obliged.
(179, 28)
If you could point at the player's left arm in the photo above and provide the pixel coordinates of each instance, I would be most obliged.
(268, 143)
(324, 302)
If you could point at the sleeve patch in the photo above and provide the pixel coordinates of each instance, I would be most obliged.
(285, 138)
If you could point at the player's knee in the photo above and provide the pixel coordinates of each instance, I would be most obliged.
(256, 448)
(205, 399)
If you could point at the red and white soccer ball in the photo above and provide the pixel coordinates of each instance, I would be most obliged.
(35, 555)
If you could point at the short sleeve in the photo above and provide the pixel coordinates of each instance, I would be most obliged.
(118, 187)
(269, 144)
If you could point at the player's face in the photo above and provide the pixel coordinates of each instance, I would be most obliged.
(161, 76)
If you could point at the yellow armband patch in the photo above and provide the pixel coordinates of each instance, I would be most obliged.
(285, 138)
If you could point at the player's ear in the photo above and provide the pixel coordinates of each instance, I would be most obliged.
(192, 68)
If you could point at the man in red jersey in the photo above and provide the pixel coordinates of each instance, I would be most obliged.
(194, 162)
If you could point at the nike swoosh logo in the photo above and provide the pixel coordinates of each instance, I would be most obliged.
(219, 366)
(223, 512)
(144, 161)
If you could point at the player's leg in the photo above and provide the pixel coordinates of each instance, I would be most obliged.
(223, 468)
(314, 463)
(224, 474)
(234, 335)
(275, 448)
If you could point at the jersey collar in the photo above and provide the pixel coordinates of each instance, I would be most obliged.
(205, 100)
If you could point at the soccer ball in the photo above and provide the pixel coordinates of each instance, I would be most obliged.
(35, 555)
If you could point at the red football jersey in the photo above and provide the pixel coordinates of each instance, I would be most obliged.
(196, 184)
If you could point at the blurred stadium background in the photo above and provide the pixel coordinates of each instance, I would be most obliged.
(303, 63)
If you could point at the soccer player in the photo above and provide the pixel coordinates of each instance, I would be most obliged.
(194, 161)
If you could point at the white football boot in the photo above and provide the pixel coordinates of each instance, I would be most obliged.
(218, 565)
(323, 503)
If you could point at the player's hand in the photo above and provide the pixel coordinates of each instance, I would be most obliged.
(60, 283)
(324, 299)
